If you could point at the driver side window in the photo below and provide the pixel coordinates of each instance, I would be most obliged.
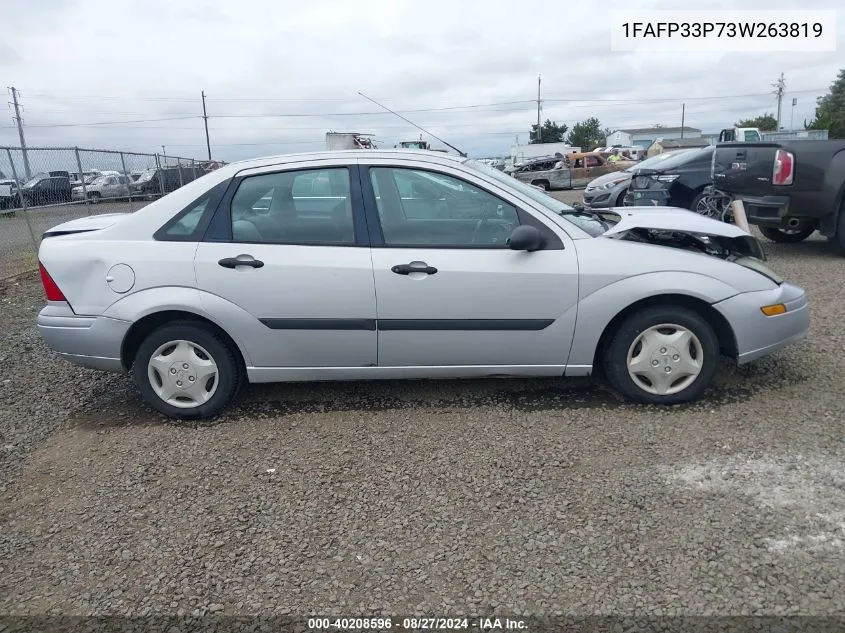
(424, 208)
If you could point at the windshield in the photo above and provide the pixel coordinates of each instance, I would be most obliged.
(681, 158)
(587, 221)
(652, 161)
(147, 174)
(509, 181)
(96, 180)
(35, 179)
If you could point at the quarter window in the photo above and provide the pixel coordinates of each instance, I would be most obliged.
(294, 207)
(423, 208)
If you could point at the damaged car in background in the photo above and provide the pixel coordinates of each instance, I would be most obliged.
(252, 275)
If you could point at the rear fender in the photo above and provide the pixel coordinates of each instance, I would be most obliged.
(224, 314)
(834, 192)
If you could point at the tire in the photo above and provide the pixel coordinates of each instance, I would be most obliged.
(635, 385)
(620, 199)
(787, 236)
(694, 206)
(211, 395)
(542, 183)
(840, 229)
(94, 197)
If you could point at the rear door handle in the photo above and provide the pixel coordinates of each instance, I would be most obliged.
(240, 260)
(414, 267)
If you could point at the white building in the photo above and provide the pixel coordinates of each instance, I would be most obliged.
(645, 136)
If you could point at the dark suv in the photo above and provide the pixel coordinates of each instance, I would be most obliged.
(679, 181)
(161, 180)
(45, 189)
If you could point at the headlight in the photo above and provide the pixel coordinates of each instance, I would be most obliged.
(667, 177)
(758, 266)
(613, 183)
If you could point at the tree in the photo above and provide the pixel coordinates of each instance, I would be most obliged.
(588, 134)
(765, 123)
(551, 132)
(830, 110)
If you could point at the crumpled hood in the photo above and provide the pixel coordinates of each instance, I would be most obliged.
(679, 228)
(89, 223)
(672, 219)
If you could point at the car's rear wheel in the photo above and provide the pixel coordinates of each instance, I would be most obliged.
(789, 236)
(186, 370)
(662, 355)
(543, 184)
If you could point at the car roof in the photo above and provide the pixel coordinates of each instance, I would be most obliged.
(277, 159)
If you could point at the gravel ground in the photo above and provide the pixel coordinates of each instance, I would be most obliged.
(446, 497)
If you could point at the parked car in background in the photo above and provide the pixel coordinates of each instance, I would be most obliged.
(609, 190)
(788, 188)
(678, 181)
(103, 187)
(157, 181)
(9, 199)
(567, 171)
(45, 189)
(209, 287)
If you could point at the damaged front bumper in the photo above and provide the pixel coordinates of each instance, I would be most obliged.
(758, 335)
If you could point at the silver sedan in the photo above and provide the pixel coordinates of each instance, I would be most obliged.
(403, 264)
(609, 190)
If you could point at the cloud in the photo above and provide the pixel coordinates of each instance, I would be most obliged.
(278, 75)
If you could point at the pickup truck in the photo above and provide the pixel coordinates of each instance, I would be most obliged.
(789, 188)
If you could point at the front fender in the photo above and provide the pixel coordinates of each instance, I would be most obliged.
(597, 310)
(224, 314)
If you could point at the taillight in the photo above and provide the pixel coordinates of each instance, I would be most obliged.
(50, 288)
(784, 168)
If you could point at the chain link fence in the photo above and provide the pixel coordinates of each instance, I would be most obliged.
(41, 187)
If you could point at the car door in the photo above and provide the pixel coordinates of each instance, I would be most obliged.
(298, 269)
(450, 291)
(109, 188)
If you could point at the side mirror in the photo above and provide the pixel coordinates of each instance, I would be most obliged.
(526, 238)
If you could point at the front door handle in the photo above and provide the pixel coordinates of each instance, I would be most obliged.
(231, 262)
(414, 267)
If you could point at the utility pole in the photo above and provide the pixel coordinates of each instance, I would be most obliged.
(164, 156)
(683, 114)
(792, 114)
(780, 87)
(17, 118)
(539, 130)
(205, 118)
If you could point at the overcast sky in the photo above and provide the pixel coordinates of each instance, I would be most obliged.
(278, 74)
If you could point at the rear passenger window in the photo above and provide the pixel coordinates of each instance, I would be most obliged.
(188, 223)
(296, 207)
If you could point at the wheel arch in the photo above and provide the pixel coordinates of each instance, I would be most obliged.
(723, 330)
(141, 328)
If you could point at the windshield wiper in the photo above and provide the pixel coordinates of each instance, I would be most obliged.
(586, 212)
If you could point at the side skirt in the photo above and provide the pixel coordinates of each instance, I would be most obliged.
(312, 374)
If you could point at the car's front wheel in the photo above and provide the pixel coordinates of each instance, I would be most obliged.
(186, 370)
(662, 355)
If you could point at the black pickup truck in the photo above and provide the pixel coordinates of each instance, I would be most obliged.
(788, 188)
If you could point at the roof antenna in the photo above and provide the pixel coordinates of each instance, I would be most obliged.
(414, 124)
